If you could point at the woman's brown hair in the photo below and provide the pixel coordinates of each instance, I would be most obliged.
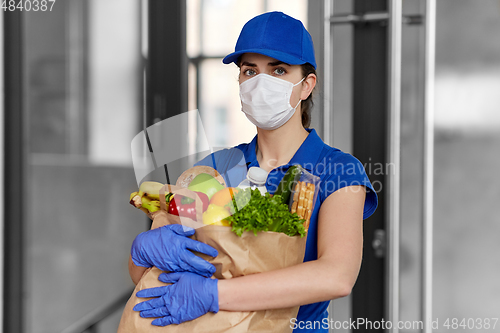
(307, 104)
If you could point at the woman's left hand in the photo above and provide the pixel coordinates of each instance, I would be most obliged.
(188, 297)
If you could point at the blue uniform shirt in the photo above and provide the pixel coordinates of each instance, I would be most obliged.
(336, 170)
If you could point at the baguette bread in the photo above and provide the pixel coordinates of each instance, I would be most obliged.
(302, 201)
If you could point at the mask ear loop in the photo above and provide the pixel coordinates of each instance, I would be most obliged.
(295, 108)
(299, 81)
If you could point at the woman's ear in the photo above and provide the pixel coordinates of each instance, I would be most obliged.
(307, 86)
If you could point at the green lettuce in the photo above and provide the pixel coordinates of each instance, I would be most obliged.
(252, 211)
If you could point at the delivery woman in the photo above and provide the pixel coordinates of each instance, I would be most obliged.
(275, 55)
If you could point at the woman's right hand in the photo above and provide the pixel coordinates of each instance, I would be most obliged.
(168, 248)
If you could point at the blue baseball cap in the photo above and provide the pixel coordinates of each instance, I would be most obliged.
(275, 35)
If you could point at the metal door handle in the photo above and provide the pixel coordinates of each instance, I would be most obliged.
(394, 128)
(395, 30)
(428, 163)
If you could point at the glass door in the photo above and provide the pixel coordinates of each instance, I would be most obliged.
(81, 106)
(438, 260)
(378, 63)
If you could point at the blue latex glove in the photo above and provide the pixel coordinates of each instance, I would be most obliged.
(189, 297)
(168, 248)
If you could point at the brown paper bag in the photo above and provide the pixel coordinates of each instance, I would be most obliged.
(238, 256)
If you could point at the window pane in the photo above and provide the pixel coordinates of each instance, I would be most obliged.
(294, 8)
(213, 27)
(220, 108)
(221, 22)
(466, 161)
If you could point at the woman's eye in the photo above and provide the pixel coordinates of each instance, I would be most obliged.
(279, 71)
(249, 72)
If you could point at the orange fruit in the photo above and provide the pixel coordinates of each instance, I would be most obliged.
(224, 196)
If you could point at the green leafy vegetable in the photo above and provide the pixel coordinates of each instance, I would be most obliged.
(256, 212)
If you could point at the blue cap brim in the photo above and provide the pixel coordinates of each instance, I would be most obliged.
(278, 55)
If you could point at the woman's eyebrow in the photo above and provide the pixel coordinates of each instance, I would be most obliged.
(272, 64)
(277, 63)
(249, 64)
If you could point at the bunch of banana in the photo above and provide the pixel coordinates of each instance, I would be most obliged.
(147, 198)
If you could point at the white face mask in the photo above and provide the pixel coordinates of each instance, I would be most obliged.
(265, 100)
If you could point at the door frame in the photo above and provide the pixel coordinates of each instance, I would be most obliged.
(14, 162)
